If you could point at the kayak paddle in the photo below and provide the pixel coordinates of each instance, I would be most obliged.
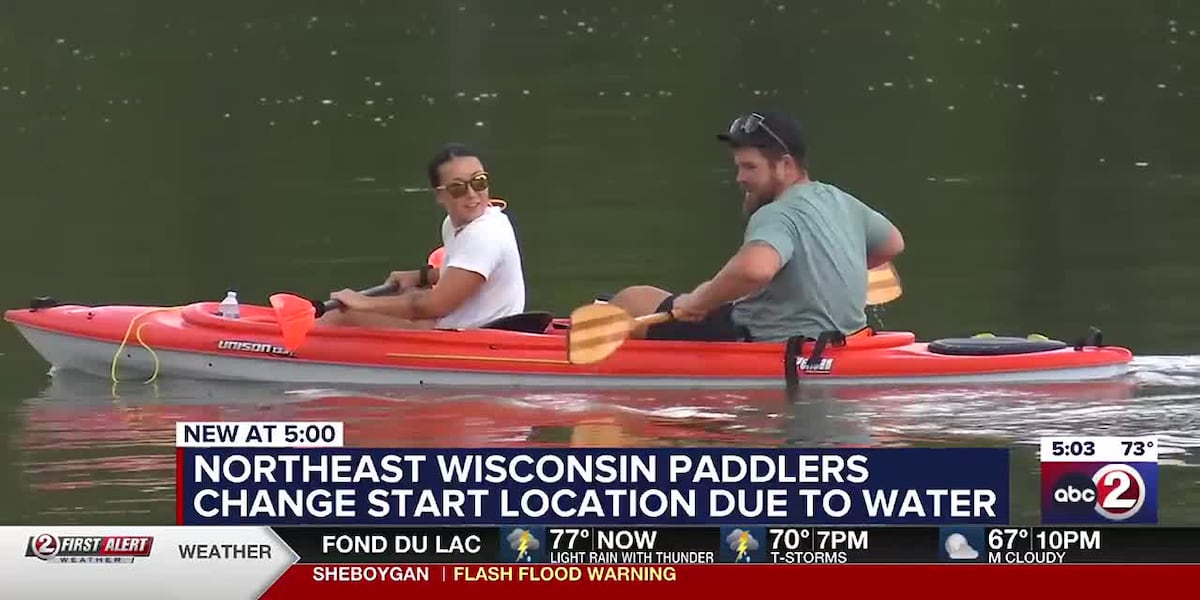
(297, 316)
(598, 330)
(883, 284)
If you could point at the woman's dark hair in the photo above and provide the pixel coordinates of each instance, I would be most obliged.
(445, 155)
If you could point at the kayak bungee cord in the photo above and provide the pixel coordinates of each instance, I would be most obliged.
(138, 335)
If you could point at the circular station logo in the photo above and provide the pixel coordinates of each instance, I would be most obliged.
(45, 546)
(1116, 492)
(1120, 491)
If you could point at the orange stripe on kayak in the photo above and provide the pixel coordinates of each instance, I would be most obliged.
(546, 361)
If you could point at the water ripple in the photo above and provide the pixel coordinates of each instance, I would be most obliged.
(79, 441)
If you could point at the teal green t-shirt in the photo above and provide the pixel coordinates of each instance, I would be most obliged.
(822, 235)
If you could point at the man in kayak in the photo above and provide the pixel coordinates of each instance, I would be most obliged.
(802, 267)
(481, 278)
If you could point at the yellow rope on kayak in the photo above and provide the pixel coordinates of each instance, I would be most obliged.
(138, 335)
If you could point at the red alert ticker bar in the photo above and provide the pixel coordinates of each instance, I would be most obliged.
(728, 581)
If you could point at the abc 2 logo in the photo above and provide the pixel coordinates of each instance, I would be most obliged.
(1098, 493)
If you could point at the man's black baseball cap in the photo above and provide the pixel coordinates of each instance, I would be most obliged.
(767, 129)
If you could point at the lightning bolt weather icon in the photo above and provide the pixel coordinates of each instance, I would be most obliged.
(523, 542)
(743, 543)
(523, 546)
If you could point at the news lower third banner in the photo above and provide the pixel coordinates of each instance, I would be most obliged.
(627, 486)
(236, 562)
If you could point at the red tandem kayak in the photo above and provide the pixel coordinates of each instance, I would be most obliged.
(193, 341)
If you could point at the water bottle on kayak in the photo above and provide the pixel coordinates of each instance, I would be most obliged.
(229, 306)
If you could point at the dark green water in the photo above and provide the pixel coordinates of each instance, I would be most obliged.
(1039, 158)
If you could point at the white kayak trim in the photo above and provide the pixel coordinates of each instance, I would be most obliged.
(71, 352)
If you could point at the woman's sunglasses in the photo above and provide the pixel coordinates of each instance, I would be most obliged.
(458, 189)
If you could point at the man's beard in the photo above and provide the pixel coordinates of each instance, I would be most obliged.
(751, 202)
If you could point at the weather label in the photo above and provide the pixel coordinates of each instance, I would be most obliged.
(661, 545)
(816, 545)
(1019, 545)
(538, 547)
(1068, 545)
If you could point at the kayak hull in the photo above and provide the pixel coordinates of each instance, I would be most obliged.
(191, 341)
(96, 357)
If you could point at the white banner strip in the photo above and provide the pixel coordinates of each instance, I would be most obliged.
(133, 563)
(1099, 449)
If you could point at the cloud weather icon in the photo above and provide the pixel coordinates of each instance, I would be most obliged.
(741, 542)
(958, 548)
(522, 542)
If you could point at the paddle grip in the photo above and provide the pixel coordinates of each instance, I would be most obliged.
(328, 305)
(654, 319)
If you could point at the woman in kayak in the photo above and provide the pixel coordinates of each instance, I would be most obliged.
(481, 278)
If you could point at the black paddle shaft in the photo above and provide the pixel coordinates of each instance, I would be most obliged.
(328, 305)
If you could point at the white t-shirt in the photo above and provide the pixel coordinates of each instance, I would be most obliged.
(488, 246)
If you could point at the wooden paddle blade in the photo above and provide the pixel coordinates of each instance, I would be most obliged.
(883, 284)
(296, 317)
(597, 330)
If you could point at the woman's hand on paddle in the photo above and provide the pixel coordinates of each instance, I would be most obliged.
(403, 280)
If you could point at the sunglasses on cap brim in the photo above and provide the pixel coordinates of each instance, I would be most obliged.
(751, 123)
(458, 189)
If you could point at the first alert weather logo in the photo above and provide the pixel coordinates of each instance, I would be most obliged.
(89, 548)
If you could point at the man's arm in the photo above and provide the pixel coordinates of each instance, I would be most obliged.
(767, 246)
(753, 267)
(889, 249)
(884, 241)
